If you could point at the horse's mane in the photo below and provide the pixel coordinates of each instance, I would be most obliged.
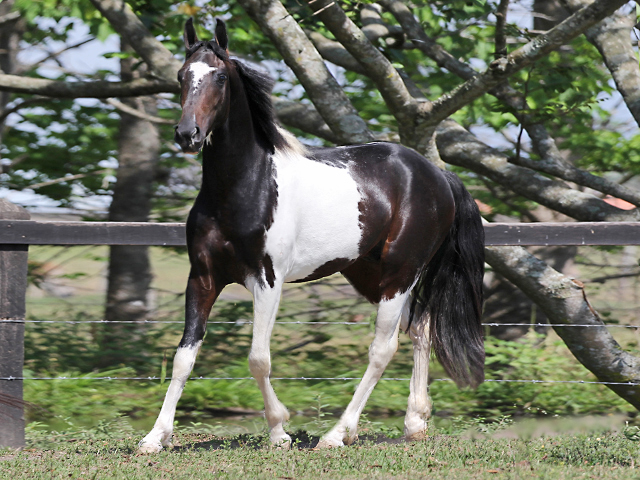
(258, 86)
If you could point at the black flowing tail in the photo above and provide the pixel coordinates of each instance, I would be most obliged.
(448, 294)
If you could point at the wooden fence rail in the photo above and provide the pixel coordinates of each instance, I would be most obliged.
(29, 232)
(17, 232)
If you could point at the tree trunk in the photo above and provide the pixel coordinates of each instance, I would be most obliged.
(129, 269)
(10, 35)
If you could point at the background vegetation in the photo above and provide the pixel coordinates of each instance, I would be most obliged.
(309, 349)
(556, 140)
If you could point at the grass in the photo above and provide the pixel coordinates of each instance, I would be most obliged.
(112, 455)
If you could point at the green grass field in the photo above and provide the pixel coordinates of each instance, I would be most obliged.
(196, 456)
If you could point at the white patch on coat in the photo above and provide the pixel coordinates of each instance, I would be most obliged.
(316, 218)
(199, 70)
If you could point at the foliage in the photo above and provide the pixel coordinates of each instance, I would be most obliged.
(563, 90)
(68, 350)
(63, 138)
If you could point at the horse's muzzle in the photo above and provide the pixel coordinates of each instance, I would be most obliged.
(189, 137)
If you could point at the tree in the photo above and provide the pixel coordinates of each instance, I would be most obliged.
(129, 267)
(399, 66)
(94, 137)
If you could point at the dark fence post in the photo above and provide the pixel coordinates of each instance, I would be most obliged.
(13, 287)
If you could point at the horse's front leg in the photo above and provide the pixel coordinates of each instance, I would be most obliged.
(202, 292)
(265, 308)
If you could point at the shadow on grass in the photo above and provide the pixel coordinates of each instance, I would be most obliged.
(299, 440)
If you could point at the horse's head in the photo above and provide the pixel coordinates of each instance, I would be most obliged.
(204, 87)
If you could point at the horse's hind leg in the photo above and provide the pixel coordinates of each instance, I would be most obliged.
(200, 296)
(382, 349)
(265, 309)
(419, 404)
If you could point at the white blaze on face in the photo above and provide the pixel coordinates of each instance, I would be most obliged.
(199, 70)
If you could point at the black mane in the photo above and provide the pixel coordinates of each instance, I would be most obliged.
(257, 87)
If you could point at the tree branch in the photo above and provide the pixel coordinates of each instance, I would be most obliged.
(334, 52)
(611, 38)
(459, 147)
(299, 53)
(160, 60)
(68, 178)
(25, 68)
(551, 161)
(424, 43)
(564, 302)
(91, 89)
(375, 28)
(391, 86)
(137, 113)
(568, 172)
(9, 17)
(303, 117)
(501, 69)
(501, 22)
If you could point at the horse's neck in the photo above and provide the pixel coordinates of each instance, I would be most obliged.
(237, 176)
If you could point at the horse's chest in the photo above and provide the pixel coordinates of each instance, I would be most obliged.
(316, 220)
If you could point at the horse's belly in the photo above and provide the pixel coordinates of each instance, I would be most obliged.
(316, 222)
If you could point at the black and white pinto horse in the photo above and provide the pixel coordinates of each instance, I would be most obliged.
(405, 234)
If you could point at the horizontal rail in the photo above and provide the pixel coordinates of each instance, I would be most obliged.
(351, 324)
(31, 232)
(486, 380)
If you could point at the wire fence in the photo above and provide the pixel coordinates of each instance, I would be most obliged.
(302, 378)
(352, 324)
(291, 296)
(488, 380)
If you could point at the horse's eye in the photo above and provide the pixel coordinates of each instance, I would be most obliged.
(221, 78)
(180, 77)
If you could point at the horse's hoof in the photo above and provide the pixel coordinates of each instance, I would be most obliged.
(350, 440)
(146, 448)
(415, 436)
(281, 443)
(329, 443)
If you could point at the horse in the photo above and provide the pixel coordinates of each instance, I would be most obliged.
(406, 235)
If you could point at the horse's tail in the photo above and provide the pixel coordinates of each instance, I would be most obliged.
(448, 294)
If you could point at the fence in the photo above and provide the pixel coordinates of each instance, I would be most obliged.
(17, 232)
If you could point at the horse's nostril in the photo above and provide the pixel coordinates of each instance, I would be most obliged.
(195, 132)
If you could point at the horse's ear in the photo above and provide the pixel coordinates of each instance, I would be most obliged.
(221, 35)
(190, 37)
